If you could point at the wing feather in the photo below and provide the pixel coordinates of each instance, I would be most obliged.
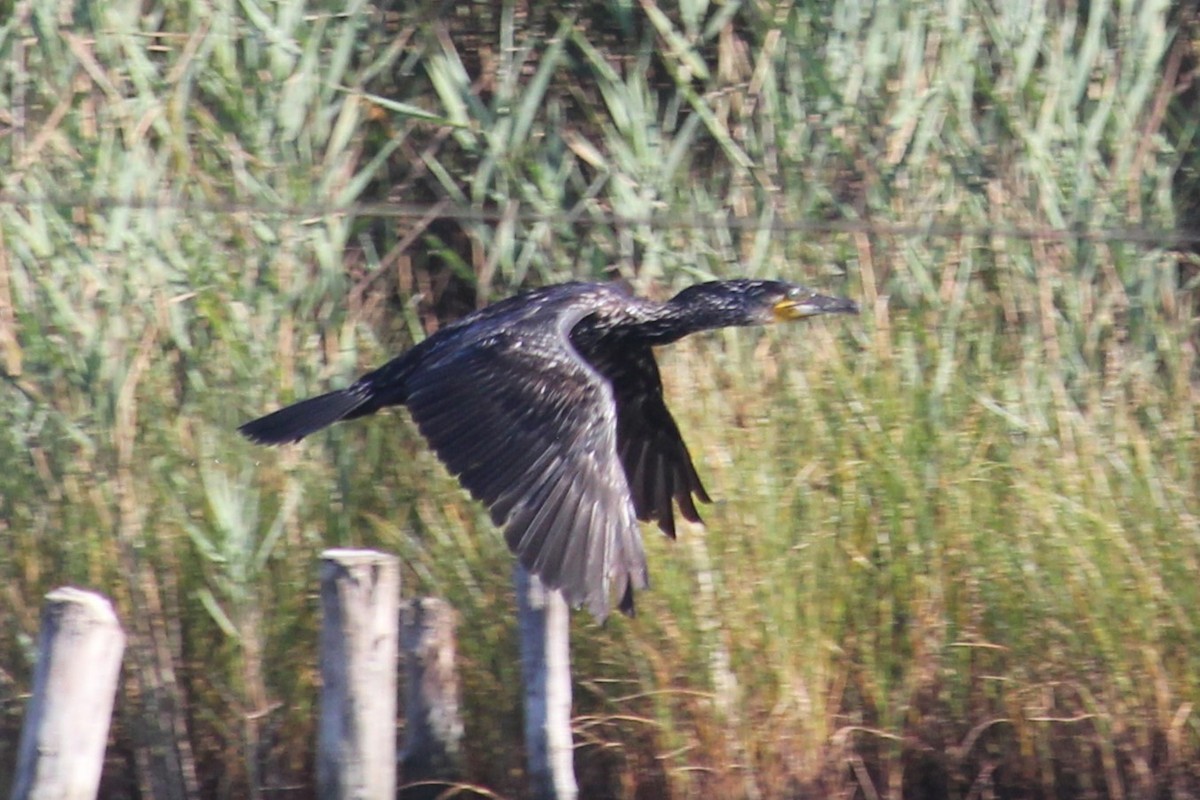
(530, 429)
(656, 461)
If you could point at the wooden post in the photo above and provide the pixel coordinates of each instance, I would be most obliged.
(432, 755)
(66, 722)
(545, 628)
(356, 735)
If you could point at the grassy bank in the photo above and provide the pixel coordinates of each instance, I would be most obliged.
(955, 546)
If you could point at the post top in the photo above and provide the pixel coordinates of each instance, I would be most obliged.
(348, 556)
(96, 605)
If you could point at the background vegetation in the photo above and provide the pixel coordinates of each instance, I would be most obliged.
(956, 546)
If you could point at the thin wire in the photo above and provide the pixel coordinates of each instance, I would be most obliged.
(592, 216)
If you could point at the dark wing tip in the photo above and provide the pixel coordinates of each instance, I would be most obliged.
(666, 522)
(626, 606)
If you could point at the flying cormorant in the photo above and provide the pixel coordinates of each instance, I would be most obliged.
(548, 406)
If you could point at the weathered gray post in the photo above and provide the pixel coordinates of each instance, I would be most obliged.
(66, 723)
(545, 629)
(356, 735)
(432, 754)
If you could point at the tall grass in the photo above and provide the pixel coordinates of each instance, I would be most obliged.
(955, 544)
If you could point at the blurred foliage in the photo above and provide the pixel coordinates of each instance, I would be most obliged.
(956, 543)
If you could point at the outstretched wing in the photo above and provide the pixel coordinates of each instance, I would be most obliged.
(530, 430)
(656, 461)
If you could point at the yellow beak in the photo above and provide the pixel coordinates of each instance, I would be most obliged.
(793, 308)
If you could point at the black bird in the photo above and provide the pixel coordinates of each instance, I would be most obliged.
(548, 407)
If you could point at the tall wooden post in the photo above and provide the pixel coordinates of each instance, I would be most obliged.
(432, 755)
(66, 723)
(545, 629)
(356, 735)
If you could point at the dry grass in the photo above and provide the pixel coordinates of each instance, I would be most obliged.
(956, 545)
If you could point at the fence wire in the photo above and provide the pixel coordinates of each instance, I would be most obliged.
(592, 216)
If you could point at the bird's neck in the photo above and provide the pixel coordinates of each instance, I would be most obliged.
(697, 308)
(682, 316)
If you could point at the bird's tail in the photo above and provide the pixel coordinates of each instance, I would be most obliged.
(293, 423)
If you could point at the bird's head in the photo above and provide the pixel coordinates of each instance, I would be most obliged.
(758, 302)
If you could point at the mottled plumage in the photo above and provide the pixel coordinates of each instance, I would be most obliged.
(548, 408)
